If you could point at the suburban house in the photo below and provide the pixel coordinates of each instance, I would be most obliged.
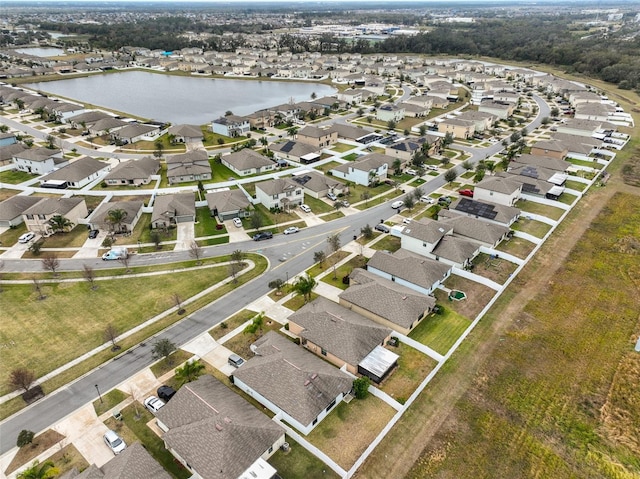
(540, 173)
(231, 125)
(8, 152)
(482, 121)
(38, 216)
(38, 161)
(134, 461)
(77, 174)
(414, 111)
(388, 303)
(279, 193)
(458, 128)
(532, 186)
(247, 162)
(228, 204)
(172, 209)
(548, 162)
(434, 239)
(317, 137)
(261, 119)
(474, 229)
(349, 132)
(191, 166)
(106, 126)
(366, 170)
(295, 151)
(496, 189)
(186, 133)
(136, 132)
(421, 274)
(317, 185)
(587, 128)
(577, 145)
(217, 434)
(550, 148)
(405, 149)
(86, 118)
(339, 335)
(491, 212)
(133, 172)
(132, 212)
(11, 209)
(501, 110)
(390, 112)
(293, 383)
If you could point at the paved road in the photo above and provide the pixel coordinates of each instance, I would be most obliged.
(288, 256)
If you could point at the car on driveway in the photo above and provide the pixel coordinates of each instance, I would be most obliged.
(432, 167)
(406, 221)
(153, 404)
(444, 200)
(263, 236)
(305, 208)
(165, 393)
(410, 171)
(114, 442)
(466, 192)
(291, 230)
(345, 204)
(396, 205)
(332, 196)
(382, 227)
(237, 222)
(26, 237)
(93, 234)
(427, 199)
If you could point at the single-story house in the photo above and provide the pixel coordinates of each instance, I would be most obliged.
(106, 125)
(349, 132)
(172, 209)
(136, 132)
(12, 208)
(476, 230)
(413, 110)
(548, 162)
(133, 172)
(279, 193)
(366, 170)
(385, 302)
(496, 189)
(317, 185)
(421, 274)
(291, 382)
(38, 161)
(539, 173)
(228, 204)
(134, 461)
(87, 118)
(550, 148)
(132, 212)
(77, 174)
(247, 162)
(317, 137)
(38, 216)
(217, 434)
(501, 110)
(295, 151)
(231, 125)
(337, 334)
(485, 210)
(191, 166)
(186, 133)
(535, 186)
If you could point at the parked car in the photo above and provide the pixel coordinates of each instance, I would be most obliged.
(165, 393)
(382, 227)
(432, 167)
(237, 222)
(305, 208)
(114, 442)
(345, 204)
(427, 199)
(406, 221)
(410, 171)
(444, 200)
(466, 192)
(26, 237)
(93, 234)
(153, 404)
(396, 205)
(263, 236)
(291, 230)
(235, 361)
(332, 196)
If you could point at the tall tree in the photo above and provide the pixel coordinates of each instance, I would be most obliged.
(159, 148)
(60, 223)
(111, 334)
(303, 286)
(195, 251)
(450, 175)
(116, 217)
(163, 348)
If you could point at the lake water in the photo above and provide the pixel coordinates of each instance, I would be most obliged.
(179, 99)
(41, 51)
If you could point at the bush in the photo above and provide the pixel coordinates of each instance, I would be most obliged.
(286, 326)
(25, 437)
(361, 387)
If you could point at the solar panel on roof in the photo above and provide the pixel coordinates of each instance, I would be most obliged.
(476, 208)
(529, 171)
(528, 188)
(301, 179)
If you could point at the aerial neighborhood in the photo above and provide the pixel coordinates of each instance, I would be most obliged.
(416, 192)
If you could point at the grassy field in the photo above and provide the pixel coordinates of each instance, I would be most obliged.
(440, 331)
(342, 271)
(540, 209)
(559, 396)
(532, 227)
(518, 247)
(14, 176)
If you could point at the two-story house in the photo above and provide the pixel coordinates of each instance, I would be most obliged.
(281, 193)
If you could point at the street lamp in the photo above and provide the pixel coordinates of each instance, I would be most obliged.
(99, 395)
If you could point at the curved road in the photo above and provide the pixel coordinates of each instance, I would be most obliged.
(288, 256)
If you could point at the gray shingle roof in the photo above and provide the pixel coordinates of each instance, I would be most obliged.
(411, 267)
(226, 201)
(53, 206)
(499, 185)
(455, 249)
(36, 154)
(131, 207)
(277, 186)
(134, 169)
(338, 330)
(543, 161)
(169, 206)
(215, 430)
(246, 159)
(476, 229)
(349, 132)
(186, 131)
(295, 380)
(369, 162)
(314, 132)
(295, 148)
(426, 230)
(133, 130)
(9, 151)
(78, 170)
(13, 207)
(132, 463)
(391, 301)
(316, 181)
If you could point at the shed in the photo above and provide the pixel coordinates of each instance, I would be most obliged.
(378, 364)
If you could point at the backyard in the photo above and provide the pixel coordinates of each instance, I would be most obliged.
(413, 367)
(297, 462)
(440, 331)
(532, 227)
(495, 269)
(478, 295)
(539, 209)
(518, 247)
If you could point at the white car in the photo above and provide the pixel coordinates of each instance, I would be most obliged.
(427, 199)
(26, 237)
(332, 196)
(345, 203)
(153, 404)
(305, 208)
(432, 167)
(406, 221)
(114, 442)
(410, 171)
(396, 205)
(237, 222)
(291, 230)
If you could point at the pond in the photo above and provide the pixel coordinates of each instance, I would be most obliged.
(41, 51)
(180, 99)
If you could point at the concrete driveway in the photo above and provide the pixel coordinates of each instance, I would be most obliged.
(185, 236)
(18, 249)
(236, 234)
(91, 247)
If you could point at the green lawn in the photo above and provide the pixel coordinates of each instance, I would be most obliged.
(539, 209)
(388, 243)
(241, 342)
(590, 164)
(10, 237)
(231, 323)
(165, 365)
(518, 247)
(413, 367)
(206, 224)
(298, 302)
(221, 172)
(575, 185)
(142, 232)
(270, 218)
(341, 147)
(333, 216)
(440, 331)
(211, 138)
(344, 270)
(14, 176)
(532, 227)
(73, 239)
(567, 198)
(299, 463)
(351, 157)
(317, 206)
(327, 166)
(336, 257)
(109, 400)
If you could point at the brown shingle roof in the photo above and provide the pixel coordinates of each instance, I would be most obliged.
(411, 267)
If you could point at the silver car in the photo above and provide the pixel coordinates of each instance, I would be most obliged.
(114, 442)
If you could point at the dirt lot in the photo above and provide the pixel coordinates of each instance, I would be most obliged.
(495, 269)
(478, 296)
